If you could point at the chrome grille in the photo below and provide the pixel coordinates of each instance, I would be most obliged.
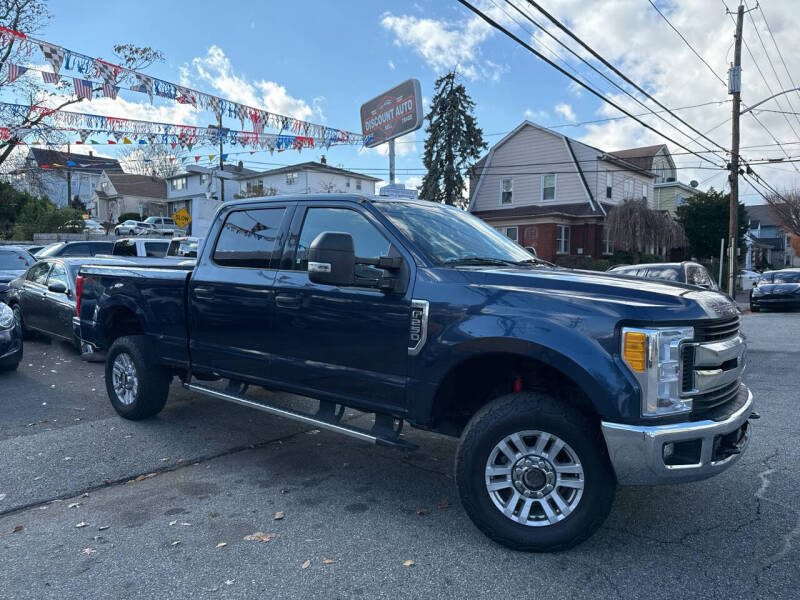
(716, 330)
(709, 400)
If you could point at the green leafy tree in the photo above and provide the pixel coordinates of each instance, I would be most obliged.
(454, 141)
(705, 221)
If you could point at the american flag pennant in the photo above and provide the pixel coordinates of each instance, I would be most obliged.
(15, 71)
(110, 91)
(83, 88)
(48, 77)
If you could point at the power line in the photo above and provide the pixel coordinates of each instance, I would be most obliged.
(685, 41)
(619, 73)
(499, 27)
(527, 16)
(780, 54)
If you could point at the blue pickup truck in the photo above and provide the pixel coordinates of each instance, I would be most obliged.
(559, 384)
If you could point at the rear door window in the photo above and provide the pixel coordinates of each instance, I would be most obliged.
(124, 248)
(249, 238)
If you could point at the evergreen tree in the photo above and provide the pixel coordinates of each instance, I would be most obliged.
(705, 219)
(454, 142)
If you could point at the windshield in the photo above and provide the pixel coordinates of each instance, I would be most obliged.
(124, 248)
(786, 277)
(50, 250)
(15, 260)
(448, 235)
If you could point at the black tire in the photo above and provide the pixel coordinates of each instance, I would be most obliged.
(535, 411)
(754, 308)
(9, 368)
(149, 394)
(26, 333)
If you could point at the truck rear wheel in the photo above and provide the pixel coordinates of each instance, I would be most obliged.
(136, 386)
(533, 473)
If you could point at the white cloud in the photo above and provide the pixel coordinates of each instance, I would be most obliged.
(446, 44)
(565, 110)
(575, 89)
(216, 69)
(632, 36)
(536, 115)
(404, 145)
(391, 65)
(413, 182)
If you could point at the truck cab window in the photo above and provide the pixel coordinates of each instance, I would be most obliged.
(249, 238)
(368, 241)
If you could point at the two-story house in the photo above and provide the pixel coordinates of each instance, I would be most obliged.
(668, 192)
(120, 193)
(47, 172)
(547, 191)
(198, 189)
(769, 243)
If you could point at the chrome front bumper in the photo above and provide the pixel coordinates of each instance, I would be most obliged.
(637, 451)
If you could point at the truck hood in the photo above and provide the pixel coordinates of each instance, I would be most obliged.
(628, 297)
(776, 288)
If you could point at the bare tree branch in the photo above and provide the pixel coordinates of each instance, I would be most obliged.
(787, 209)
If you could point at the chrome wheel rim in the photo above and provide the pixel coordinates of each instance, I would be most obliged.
(124, 379)
(534, 478)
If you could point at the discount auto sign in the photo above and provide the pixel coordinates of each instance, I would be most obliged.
(393, 113)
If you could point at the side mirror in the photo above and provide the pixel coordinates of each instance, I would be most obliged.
(57, 287)
(332, 259)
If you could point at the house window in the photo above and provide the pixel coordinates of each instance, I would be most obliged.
(292, 178)
(608, 247)
(511, 233)
(644, 192)
(628, 188)
(179, 183)
(680, 200)
(255, 186)
(507, 191)
(204, 177)
(548, 186)
(358, 184)
(347, 183)
(562, 239)
(609, 184)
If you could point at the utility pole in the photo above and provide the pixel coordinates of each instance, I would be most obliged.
(221, 162)
(69, 177)
(391, 161)
(735, 88)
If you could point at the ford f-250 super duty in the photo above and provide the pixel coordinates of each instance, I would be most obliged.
(561, 384)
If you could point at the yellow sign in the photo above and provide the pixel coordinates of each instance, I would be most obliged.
(182, 218)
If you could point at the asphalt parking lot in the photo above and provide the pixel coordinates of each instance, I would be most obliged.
(95, 506)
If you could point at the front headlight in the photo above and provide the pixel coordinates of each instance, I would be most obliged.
(654, 357)
(6, 317)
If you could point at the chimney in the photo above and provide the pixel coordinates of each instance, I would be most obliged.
(239, 166)
(323, 160)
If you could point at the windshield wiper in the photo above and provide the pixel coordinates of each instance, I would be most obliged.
(478, 260)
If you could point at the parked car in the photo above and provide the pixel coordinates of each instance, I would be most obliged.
(32, 248)
(776, 290)
(79, 248)
(688, 272)
(73, 226)
(560, 383)
(185, 247)
(43, 298)
(140, 247)
(133, 228)
(748, 279)
(14, 261)
(10, 339)
(164, 226)
(94, 226)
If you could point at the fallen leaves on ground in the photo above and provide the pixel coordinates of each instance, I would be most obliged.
(444, 504)
(285, 491)
(328, 561)
(422, 512)
(279, 515)
(222, 544)
(103, 527)
(81, 524)
(73, 505)
(88, 551)
(306, 564)
(260, 536)
(175, 543)
(18, 528)
(171, 523)
(408, 563)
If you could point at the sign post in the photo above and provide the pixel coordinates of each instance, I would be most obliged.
(390, 115)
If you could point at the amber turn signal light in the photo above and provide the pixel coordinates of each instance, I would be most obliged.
(634, 350)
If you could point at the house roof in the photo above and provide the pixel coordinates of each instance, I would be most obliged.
(762, 213)
(316, 166)
(640, 157)
(227, 168)
(579, 209)
(83, 162)
(128, 184)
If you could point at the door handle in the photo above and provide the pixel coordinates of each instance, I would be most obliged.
(288, 300)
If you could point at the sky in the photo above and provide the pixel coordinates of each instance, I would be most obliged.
(320, 60)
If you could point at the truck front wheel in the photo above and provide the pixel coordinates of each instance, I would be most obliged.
(136, 386)
(533, 473)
